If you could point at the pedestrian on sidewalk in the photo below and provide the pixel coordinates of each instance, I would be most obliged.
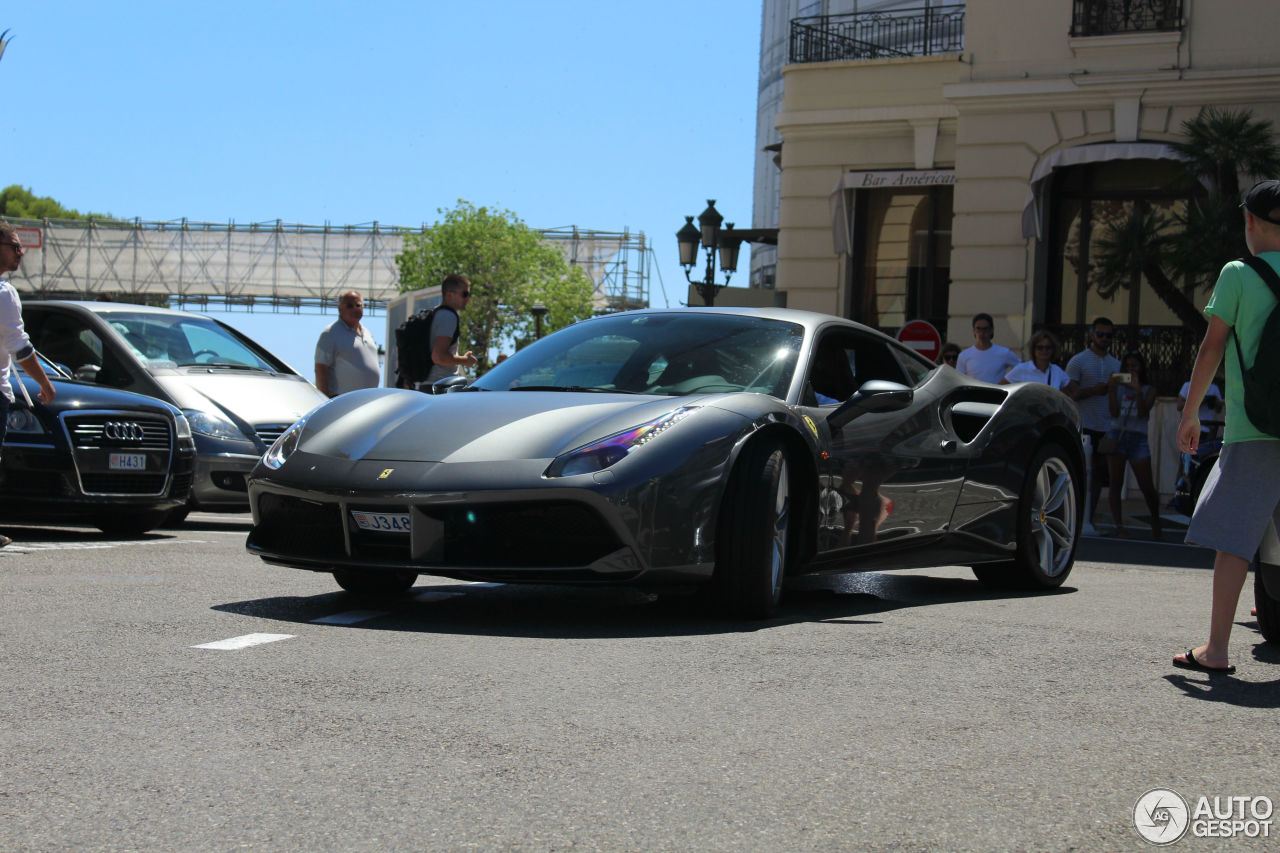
(1242, 495)
(1130, 399)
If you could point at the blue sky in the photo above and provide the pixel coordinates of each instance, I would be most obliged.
(604, 115)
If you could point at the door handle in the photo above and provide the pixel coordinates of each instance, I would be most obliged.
(949, 446)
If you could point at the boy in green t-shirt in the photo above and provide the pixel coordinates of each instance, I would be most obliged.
(1242, 495)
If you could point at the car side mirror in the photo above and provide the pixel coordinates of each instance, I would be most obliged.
(449, 383)
(875, 395)
(87, 372)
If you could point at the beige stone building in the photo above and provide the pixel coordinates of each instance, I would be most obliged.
(973, 173)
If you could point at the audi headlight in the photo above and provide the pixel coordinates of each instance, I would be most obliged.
(25, 422)
(282, 448)
(213, 425)
(601, 454)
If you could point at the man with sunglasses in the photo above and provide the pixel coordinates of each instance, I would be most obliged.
(1091, 370)
(455, 292)
(14, 343)
(346, 354)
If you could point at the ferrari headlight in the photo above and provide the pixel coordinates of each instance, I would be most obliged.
(25, 422)
(282, 448)
(213, 425)
(601, 454)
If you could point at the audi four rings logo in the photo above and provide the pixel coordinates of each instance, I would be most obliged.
(123, 431)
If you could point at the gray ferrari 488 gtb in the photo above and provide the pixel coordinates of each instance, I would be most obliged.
(729, 448)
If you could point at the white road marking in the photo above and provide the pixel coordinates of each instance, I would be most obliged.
(244, 642)
(349, 617)
(96, 545)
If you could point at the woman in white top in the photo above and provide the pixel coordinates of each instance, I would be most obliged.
(1131, 399)
(1042, 367)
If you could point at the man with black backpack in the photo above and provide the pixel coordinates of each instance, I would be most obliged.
(427, 343)
(1242, 495)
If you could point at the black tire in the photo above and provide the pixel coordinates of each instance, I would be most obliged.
(1049, 520)
(753, 537)
(1268, 607)
(130, 524)
(375, 583)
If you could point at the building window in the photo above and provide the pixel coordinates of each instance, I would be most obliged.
(901, 266)
(1088, 202)
(1111, 17)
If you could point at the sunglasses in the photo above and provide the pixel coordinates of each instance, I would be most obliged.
(982, 328)
(17, 247)
(465, 294)
(1103, 334)
(1044, 346)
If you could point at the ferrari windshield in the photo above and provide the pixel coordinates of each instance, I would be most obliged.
(673, 354)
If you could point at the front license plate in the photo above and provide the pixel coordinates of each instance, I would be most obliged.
(127, 462)
(386, 522)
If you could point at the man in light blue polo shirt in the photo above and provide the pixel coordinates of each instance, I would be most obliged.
(346, 354)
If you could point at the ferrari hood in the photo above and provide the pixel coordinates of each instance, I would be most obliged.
(472, 426)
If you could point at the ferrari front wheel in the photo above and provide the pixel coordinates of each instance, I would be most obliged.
(374, 583)
(753, 536)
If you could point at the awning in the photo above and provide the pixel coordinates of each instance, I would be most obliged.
(1032, 211)
(841, 202)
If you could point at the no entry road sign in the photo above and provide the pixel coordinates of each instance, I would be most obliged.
(922, 337)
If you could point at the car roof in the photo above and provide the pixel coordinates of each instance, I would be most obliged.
(811, 320)
(112, 307)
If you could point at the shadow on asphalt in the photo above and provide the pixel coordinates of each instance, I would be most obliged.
(1143, 552)
(557, 612)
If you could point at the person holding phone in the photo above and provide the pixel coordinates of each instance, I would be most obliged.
(1130, 399)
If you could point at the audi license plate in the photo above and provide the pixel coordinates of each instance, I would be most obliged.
(127, 462)
(385, 522)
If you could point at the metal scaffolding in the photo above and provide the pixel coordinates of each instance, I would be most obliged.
(273, 266)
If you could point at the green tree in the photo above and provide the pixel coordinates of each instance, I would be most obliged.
(511, 269)
(1191, 247)
(17, 202)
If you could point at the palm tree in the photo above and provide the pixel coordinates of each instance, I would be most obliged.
(1192, 246)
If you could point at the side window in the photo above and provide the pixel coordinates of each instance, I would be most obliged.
(65, 340)
(843, 360)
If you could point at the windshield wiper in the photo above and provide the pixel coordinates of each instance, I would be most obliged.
(584, 389)
(225, 365)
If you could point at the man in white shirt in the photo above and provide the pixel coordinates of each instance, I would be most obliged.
(346, 354)
(985, 360)
(1091, 370)
(14, 343)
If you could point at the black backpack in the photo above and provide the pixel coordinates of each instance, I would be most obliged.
(1262, 381)
(413, 346)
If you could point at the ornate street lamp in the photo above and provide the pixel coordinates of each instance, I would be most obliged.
(712, 238)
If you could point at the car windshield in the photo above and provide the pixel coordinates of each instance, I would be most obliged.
(186, 340)
(672, 354)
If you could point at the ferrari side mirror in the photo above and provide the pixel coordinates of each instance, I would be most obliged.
(876, 395)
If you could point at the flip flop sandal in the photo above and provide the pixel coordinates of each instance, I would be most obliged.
(1192, 663)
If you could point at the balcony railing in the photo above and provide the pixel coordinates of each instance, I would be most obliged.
(876, 35)
(1111, 17)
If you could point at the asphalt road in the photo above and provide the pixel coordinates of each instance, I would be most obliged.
(904, 711)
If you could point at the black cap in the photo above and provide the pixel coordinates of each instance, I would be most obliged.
(1263, 201)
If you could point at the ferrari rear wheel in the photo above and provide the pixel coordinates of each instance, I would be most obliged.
(374, 583)
(754, 534)
(1048, 525)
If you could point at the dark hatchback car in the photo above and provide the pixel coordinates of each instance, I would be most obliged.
(118, 460)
